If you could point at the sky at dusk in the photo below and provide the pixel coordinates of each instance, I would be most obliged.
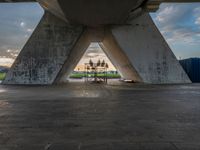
(179, 24)
(95, 53)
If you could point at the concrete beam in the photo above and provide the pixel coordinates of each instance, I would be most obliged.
(148, 52)
(53, 7)
(137, 50)
(45, 53)
(95, 13)
(153, 5)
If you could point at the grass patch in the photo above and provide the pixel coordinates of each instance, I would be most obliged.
(77, 75)
(81, 75)
(2, 76)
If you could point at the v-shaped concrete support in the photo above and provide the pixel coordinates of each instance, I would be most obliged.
(138, 51)
(45, 53)
(148, 53)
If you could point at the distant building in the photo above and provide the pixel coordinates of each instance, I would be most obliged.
(192, 68)
(3, 69)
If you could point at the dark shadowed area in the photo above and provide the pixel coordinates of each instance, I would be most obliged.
(98, 117)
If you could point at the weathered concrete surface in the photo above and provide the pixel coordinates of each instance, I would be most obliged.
(43, 56)
(148, 52)
(74, 57)
(53, 7)
(90, 117)
(89, 35)
(118, 58)
(137, 50)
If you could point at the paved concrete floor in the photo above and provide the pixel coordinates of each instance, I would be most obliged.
(100, 117)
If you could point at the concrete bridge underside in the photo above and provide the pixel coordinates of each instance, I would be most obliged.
(128, 37)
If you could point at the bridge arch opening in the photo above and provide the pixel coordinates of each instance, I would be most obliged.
(94, 66)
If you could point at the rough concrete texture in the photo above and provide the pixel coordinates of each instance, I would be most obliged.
(44, 54)
(148, 52)
(89, 35)
(99, 117)
(138, 51)
(118, 58)
(53, 7)
(75, 56)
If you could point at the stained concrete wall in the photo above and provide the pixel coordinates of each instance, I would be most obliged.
(119, 58)
(148, 52)
(53, 7)
(43, 56)
(89, 35)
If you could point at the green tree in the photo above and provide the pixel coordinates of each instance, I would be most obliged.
(106, 66)
(103, 63)
(91, 63)
(98, 63)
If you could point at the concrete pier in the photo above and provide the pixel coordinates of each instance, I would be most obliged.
(45, 53)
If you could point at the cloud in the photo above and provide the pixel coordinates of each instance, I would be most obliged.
(29, 30)
(12, 53)
(197, 15)
(197, 11)
(177, 22)
(7, 58)
(6, 61)
(93, 51)
(165, 15)
(8, 51)
(182, 34)
(17, 20)
(22, 24)
(197, 21)
(171, 13)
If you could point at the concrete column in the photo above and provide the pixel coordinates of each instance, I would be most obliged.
(89, 35)
(74, 57)
(45, 53)
(119, 58)
(147, 51)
